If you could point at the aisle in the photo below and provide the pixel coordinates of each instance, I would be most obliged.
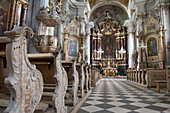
(120, 96)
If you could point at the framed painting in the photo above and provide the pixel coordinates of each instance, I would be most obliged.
(73, 29)
(109, 45)
(72, 48)
(152, 49)
(150, 26)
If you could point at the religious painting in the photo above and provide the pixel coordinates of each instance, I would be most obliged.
(72, 48)
(4, 9)
(152, 46)
(151, 26)
(108, 45)
(73, 29)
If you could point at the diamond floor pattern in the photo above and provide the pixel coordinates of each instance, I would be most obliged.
(120, 96)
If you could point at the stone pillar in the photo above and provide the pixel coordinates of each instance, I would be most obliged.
(60, 35)
(131, 44)
(166, 17)
(139, 53)
(89, 25)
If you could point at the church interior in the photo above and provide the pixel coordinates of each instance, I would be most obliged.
(84, 56)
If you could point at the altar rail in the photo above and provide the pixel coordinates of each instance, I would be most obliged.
(146, 77)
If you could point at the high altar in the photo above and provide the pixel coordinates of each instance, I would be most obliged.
(109, 47)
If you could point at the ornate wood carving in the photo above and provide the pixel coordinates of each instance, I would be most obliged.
(75, 83)
(25, 82)
(82, 80)
(89, 69)
(60, 76)
(87, 78)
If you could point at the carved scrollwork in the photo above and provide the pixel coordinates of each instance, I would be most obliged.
(87, 78)
(60, 76)
(75, 83)
(24, 81)
(89, 69)
(82, 80)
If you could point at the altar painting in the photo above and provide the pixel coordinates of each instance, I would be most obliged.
(108, 45)
(72, 48)
(4, 9)
(152, 46)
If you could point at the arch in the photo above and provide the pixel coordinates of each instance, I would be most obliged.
(103, 3)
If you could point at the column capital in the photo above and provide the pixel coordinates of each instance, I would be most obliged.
(129, 24)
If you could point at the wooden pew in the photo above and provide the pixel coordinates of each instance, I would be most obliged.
(55, 78)
(24, 81)
(80, 69)
(73, 80)
(86, 78)
(158, 82)
(168, 79)
(89, 72)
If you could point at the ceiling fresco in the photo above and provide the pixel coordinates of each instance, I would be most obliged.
(116, 12)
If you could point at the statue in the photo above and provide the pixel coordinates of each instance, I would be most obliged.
(79, 57)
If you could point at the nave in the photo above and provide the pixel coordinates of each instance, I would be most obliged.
(120, 96)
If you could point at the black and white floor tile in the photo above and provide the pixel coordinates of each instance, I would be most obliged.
(120, 96)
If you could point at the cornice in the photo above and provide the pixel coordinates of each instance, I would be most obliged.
(76, 4)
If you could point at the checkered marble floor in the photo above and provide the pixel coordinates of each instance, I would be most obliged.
(120, 96)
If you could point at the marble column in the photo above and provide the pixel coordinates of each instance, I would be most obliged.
(131, 44)
(139, 53)
(166, 18)
(89, 25)
(60, 35)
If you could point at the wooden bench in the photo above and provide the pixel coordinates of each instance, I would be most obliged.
(157, 84)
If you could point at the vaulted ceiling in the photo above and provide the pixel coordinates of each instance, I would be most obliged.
(94, 2)
(117, 14)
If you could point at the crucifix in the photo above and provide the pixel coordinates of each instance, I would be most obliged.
(122, 51)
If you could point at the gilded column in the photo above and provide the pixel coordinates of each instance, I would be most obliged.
(66, 34)
(94, 43)
(24, 14)
(161, 43)
(18, 13)
(166, 18)
(11, 15)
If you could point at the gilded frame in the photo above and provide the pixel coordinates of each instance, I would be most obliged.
(68, 47)
(150, 58)
(73, 24)
(150, 21)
